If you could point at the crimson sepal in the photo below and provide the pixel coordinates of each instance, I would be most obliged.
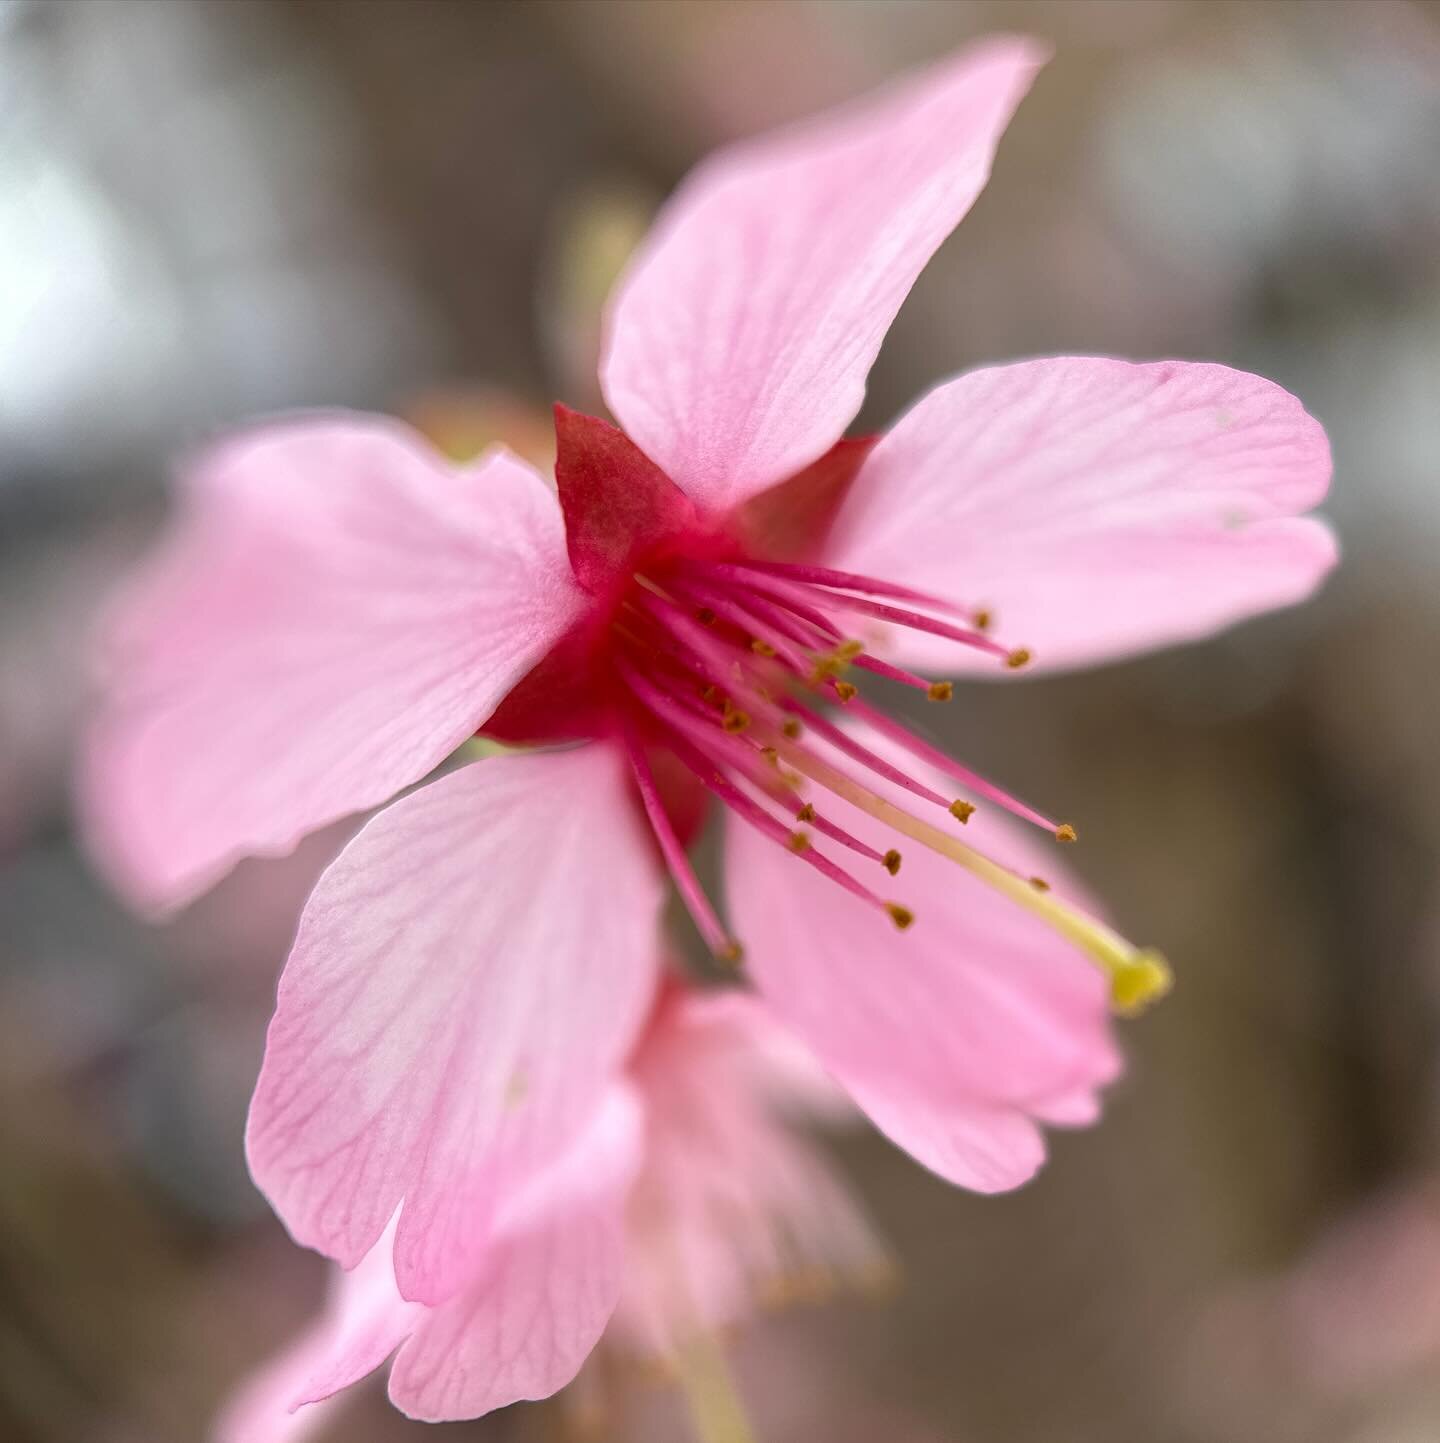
(791, 520)
(619, 505)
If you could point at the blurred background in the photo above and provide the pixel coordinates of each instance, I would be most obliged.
(212, 208)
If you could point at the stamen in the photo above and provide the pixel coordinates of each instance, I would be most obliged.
(842, 741)
(915, 621)
(720, 943)
(972, 781)
(827, 828)
(677, 716)
(743, 615)
(715, 781)
(803, 599)
(891, 672)
(845, 581)
(1137, 976)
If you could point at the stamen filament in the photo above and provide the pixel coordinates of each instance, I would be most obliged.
(848, 581)
(751, 811)
(891, 672)
(842, 741)
(971, 781)
(1137, 976)
(811, 818)
(720, 943)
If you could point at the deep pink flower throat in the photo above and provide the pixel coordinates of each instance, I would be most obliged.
(705, 650)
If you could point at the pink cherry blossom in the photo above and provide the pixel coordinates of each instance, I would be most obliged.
(692, 1172)
(695, 604)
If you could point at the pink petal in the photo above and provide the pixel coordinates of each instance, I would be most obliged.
(335, 611)
(524, 1326)
(1096, 507)
(985, 1149)
(467, 977)
(364, 1321)
(260, 1409)
(741, 336)
(951, 1035)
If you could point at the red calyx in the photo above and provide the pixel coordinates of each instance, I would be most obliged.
(619, 506)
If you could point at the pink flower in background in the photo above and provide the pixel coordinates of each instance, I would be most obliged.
(338, 610)
(689, 1172)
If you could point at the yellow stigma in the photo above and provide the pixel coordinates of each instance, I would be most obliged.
(1140, 980)
(1137, 976)
(891, 861)
(962, 811)
(940, 691)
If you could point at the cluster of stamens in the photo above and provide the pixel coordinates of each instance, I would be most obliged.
(726, 663)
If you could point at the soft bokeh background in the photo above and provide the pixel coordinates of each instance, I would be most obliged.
(217, 208)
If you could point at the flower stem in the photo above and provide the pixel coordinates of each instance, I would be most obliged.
(710, 1392)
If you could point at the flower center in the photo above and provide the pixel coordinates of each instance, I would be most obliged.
(728, 664)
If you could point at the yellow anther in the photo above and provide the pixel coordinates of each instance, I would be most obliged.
(1040, 884)
(1139, 981)
(710, 692)
(762, 648)
(962, 811)
(1021, 656)
(846, 691)
(984, 619)
(799, 842)
(941, 691)
(891, 861)
(902, 917)
(791, 728)
(735, 721)
(770, 755)
(806, 813)
(1065, 833)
